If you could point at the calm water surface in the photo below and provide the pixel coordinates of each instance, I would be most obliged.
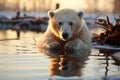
(21, 60)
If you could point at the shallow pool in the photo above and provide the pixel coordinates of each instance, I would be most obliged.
(21, 60)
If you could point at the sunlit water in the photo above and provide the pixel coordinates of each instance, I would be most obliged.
(21, 60)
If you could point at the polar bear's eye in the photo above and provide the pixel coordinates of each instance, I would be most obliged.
(60, 23)
(70, 23)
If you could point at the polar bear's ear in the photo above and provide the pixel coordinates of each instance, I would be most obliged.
(80, 14)
(51, 13)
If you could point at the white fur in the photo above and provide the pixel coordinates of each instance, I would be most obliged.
(80, 38)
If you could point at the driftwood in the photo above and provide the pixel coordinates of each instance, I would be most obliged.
(11, 21)
(25, 22)
(111, 35)
(31, 20)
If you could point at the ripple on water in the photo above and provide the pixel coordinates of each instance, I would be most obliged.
(20, 60)
(23, 66)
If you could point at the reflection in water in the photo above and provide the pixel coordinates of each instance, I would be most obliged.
(9, 44)
(9, 39)
(7, 34)
(107, 54)
(66, 63)
(20, 60)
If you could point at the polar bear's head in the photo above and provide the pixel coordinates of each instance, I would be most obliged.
(64, 23)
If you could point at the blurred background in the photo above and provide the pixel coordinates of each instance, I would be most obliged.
(24, 15)
(22, 22)
(31, 15)
(107, 6)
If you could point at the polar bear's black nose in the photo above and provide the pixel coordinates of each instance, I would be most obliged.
(65, 35)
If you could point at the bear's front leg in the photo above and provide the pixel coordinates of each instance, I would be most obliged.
(75, 44)
(50, 44)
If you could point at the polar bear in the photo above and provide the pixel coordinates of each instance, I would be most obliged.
(66, 29)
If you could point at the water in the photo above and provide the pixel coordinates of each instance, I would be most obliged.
(21, 60)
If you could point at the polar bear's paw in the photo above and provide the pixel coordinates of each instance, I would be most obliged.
(73, 45)
(51, 44)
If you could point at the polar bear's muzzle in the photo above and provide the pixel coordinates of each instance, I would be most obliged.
(65, 33)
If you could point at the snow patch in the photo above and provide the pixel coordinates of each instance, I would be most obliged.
(106, 47)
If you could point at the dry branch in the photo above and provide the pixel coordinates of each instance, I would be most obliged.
(112, 32)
